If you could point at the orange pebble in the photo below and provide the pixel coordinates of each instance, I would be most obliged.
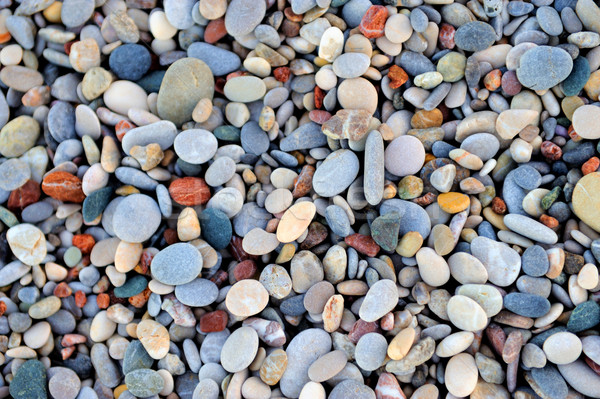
(122, 127)
(140, 299)
(2, 308)
(80, 299)
(549, 221)
(319, 95)
(591, 165)
(103, 300)
(493, 80)
(282, 74)
(498, 206)
(66, 353)
(73, 339)
(373, 22)
(62, 290)
(397, 76)
(85, 242)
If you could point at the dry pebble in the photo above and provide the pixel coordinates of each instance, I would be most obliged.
(299, 199)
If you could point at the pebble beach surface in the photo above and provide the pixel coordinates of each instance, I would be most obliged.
(314, 199)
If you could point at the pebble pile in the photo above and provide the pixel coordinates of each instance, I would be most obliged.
(343, 199)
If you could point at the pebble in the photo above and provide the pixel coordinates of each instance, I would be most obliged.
(380, 299)
(404, 156)
(220, 61)
(139, 208)
(177, 264)
(543, 67)
(336, 173)
(247, 298)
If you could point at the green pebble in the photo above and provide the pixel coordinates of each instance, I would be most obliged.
(216, 228)
(132, 287)
(72, 256)
(7, 217)
(29, 381)
(94, 204)
(385, 229)
(144, 383)
(585, 316)
(227, 133)
(550, 198)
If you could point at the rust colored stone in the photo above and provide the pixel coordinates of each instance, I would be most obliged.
(290, 28)
(303, 183)
(103, 300)
(122, 127)
(397, 76)
(189, 191)
(361, 328)
(292, 16)
(319, 95)
(215, 31)
(80, 299)
(66, 353)
(2, 308)
(170, 236)
(244, 270)
(282, 74)
(73, 339)
(373, 22)
(593, 365)
(29, 193)
(363, 244)
(63, 186)
(549, 221)
(85, 243)
(62, 290)
(446, 36)
(498, 206)
(493, 80)
(140, 299)
(591, 165)
(513, 320)
(551, 151)
(214, 321)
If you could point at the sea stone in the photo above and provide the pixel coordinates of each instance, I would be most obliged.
(544, 67)
(186, 82)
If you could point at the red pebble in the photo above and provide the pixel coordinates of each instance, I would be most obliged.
(62, 290)
(388, 387)
(85, 243)
(170, 236)
(446, 36)
(591, 165)
(214, 321)
(319, 116)
(122, 127)
(189, 191)
(2, 308)
(361, 328)
(244, 270)
(398, 76)
(551, 151)
(510, 84)
(282, 74)
(549, 221)
(215, 30)
(73, 339)
(219, 278)
(66, 353)
(498, 206)
(319, 95)
(373, 22)
(363, 244)
(103, 300)
(80, 299)
(23, 196)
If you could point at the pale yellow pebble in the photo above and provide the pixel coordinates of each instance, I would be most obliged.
(188, 225)
(587, 277)
(409, 244)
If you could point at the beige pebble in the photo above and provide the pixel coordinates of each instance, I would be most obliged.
(466, 314)
(295, 221)
(154, 337)
(461, 375)
(246, 298)
(587, 277)
(432, 267)
(401, 343)
(562, 348)
(127, 256)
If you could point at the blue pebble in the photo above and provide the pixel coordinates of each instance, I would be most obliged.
(130, 61)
